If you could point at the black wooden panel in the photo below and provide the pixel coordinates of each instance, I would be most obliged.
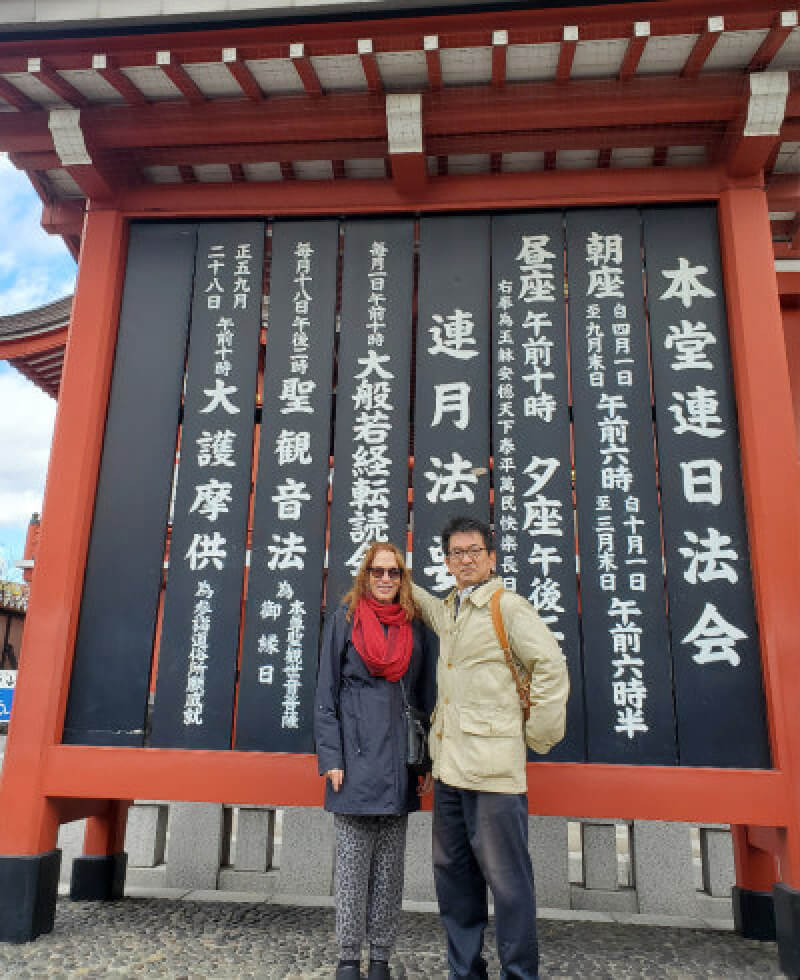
(370, 478)
(452, 407)
(532, 458)
(110, 675)
(626, 657)
(282, 616)
(200, 636)
(718, 689)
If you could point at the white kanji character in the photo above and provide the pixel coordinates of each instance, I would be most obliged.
(286, 552)
(715, 638)
(702, 481)
(211, 499)
(206, 548)
(452, 480)
(293, 447)
(218, 398)
(215, 448)
(685, 284)
(452, 335)
(709, 558)
(701, 407)
(452, 397)
(289, 497)
(689, 341)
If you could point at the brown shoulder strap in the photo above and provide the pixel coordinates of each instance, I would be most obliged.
(523, 690)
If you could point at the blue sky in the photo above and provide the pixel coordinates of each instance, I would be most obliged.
(35, 268)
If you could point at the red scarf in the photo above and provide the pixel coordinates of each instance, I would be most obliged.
(385, 654)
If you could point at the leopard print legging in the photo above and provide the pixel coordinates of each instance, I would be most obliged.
(368, 882)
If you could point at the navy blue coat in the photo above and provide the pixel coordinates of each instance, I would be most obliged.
(359, 724)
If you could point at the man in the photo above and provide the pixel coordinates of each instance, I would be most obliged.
(477, 744)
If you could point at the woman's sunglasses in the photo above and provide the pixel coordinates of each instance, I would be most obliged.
(392, 573)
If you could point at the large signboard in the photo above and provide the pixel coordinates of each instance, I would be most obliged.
(202, 605)
(284, 593)
(563, 375)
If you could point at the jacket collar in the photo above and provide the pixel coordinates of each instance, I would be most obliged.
(481, 595)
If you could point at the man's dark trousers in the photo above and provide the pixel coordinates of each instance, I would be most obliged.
(478, 839)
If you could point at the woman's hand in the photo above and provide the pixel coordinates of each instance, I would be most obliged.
(336, 777)
(425, 785)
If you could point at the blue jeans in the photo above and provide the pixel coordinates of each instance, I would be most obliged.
(478, 839)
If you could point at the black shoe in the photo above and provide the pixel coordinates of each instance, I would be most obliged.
(379, 970)
(348, 971)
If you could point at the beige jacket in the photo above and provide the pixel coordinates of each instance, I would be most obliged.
(477, 739)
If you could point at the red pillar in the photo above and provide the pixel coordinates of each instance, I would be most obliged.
(772, 498)
(30, 820)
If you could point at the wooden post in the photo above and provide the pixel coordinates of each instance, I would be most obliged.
(768, 449)
(30, 822)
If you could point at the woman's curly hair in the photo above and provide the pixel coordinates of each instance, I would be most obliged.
(360, 588)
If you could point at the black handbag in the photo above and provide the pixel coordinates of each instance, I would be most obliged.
(416, 733)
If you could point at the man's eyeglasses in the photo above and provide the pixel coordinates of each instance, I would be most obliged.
(459, 554)
(392, 573)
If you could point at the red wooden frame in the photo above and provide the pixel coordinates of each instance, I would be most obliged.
(45, 782)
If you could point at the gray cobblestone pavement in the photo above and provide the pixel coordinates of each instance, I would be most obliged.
(157, 937)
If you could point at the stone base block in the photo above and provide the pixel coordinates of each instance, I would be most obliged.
(195, 845)
(618, 900)
(70, 843)
(716, 850)
(548, 845)
(753, 913)
(147, 877)
(98, 878)
(787, 928)
(306, 852)
(255, 835)
(419, 885)
(709, 907)
(662, 867)
(28, 891)
(263, 883)
(146, 834)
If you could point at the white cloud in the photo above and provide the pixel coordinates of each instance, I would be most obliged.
(26, 430)
(35, 267)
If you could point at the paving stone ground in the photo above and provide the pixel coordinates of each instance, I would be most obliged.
(193, 940)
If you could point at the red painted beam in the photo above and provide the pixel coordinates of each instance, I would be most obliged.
(634, 51)
(703, 47)
(490, 191)
(783, 193)
(242, 75)
(369, 65)
(773, 42)
(430, 44)
(499, 58)
(14, 97)
(304, 68)
(118, 80)
(537, 106)
(566, 55)
(48, 76)
(646, 792)
(179, 77)
(22, 347)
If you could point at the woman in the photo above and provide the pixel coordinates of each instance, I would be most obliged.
(374, 658)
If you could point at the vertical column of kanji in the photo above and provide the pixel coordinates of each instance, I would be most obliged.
(451, 415)
(532, 457)
(284, 591)
(715, 647)
(200, 635)
(370, 491)
(627, 670)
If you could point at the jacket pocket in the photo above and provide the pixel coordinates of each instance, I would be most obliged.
(492, 742)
